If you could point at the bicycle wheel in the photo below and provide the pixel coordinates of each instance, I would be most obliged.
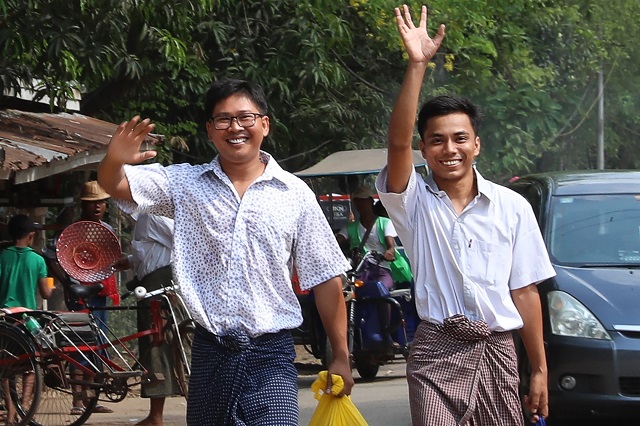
(181, 350)
(57, 397)
(20, 376)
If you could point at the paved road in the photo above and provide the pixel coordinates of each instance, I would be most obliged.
(382, 402)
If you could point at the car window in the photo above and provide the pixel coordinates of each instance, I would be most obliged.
(532, 193)
(595, 230)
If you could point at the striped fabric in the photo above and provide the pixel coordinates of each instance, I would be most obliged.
(236, 380)
(461, 373)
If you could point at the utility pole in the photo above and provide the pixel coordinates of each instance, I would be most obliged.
(600, 161)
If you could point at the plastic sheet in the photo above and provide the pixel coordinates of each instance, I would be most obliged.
(331, 410)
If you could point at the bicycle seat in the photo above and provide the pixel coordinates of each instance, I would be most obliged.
(83, 291)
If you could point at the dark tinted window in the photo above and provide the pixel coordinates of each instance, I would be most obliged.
(595, 229)
(532, 193)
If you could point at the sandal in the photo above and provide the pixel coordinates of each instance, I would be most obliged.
(76, 411)
(102, 409)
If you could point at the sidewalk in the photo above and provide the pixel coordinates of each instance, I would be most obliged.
(133, 408)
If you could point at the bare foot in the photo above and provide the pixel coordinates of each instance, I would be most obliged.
(149, 422)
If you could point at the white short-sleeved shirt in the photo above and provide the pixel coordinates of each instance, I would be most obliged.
(234, 257)
(152, 242)
(373, 239)
(468, 263)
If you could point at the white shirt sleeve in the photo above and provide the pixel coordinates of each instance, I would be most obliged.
(390, 230)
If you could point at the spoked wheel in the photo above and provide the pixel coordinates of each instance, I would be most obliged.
(57, 398)
(20, 378)
(182, 354)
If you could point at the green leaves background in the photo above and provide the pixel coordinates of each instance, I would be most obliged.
(332, 68)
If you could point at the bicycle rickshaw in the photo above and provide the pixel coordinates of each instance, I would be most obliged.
(49, 358)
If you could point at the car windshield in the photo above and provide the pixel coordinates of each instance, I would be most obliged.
(595, 230)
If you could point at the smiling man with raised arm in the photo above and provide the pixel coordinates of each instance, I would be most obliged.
(476, 252)
(235, 247)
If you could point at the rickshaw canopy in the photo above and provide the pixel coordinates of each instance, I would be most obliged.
(354, 162)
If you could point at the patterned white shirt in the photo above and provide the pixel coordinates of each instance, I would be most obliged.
(468, 263)
(233, 257)
(152, 242)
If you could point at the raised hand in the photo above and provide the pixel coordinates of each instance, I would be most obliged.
(419, 46)
(124, 147)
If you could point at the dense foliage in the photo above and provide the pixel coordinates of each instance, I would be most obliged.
(332, 68)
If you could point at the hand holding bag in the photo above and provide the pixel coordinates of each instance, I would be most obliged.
(540, 422)
(331, 410)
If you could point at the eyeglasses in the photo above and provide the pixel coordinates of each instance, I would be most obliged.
(244, 120)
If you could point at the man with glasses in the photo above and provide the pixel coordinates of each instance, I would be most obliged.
(241, 225)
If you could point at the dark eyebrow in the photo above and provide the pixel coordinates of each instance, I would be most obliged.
(439, 135)
(226, 113)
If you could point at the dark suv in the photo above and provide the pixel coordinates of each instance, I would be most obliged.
(591, 310)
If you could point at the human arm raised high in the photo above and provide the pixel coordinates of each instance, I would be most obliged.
(421, 49)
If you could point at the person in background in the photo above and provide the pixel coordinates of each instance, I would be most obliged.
(477, 254)
(93, 201)
(380, 237)
(22, 270)
(242, 224)
(150, 259)
(22, 273)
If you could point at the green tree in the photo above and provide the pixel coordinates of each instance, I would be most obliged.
(332, 69)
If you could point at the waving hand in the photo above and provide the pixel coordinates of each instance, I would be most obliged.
(124, 147)
(419, 46)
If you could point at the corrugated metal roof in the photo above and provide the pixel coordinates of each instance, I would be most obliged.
(38, 145)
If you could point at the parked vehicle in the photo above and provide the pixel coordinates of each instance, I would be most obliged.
(380, 323)
(369, 348)
(590, 222)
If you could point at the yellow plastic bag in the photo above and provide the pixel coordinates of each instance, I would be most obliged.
(331, 410)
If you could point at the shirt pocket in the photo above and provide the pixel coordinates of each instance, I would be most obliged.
(487, 263)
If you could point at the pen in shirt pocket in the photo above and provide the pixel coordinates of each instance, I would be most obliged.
(470, 243)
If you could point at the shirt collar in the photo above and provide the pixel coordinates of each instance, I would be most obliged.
(484, 188)
(271, 171)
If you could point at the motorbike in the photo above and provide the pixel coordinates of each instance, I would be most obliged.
(379, 329)
(380, 323)
(376, 320)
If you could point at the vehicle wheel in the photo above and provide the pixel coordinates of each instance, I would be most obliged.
(327, 358)
(367, 369)
(56, 399)
(19, 372)
(182, 354)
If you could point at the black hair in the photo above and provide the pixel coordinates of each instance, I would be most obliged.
(222, 89)
(20, 226)
(444, 105)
